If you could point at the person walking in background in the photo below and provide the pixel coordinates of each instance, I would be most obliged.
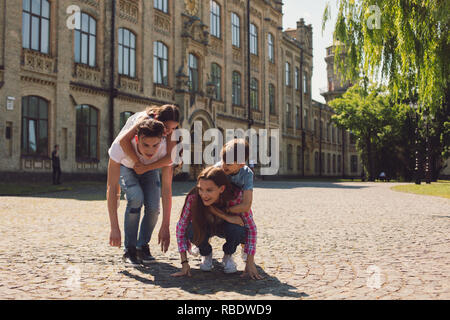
(56, 164)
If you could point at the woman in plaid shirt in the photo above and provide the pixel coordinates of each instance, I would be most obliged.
(205, 214)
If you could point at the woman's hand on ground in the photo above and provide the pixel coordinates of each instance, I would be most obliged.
(185, 271)
(115, 238)
(251, 271)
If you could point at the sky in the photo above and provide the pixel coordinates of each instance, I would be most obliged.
(312, 12)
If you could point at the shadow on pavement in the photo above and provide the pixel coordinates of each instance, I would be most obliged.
(204, 283)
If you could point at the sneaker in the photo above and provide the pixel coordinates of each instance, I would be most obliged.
(144, 255)
(229, 266)
(195, 251)
(130, 258)
(207, 263)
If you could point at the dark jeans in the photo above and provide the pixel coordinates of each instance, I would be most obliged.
(56, 175)
(232, 233)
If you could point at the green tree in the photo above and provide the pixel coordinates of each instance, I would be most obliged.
(379, 126)
(403, 43)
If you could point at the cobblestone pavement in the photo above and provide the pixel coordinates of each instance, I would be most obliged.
(316, 240)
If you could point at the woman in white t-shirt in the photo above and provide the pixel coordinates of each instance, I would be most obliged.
(134, 159)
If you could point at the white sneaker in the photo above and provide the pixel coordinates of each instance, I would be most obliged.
(207, 263)
(195, 251)
(229, 266)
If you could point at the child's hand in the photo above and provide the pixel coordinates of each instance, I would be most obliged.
(251, 271)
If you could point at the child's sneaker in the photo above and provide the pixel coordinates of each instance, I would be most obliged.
(207, 263)
(229, 266)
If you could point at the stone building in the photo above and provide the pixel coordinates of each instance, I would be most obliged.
(73, 71)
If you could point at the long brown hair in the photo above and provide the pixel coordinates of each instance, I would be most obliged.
(199, 213)
(167, 112)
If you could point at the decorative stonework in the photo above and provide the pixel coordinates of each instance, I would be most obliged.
(219, 106)
(272, 70)
(273, 118)
(38, 62)
(239, 111)
(31, 164)
(195, 29)
(87, 74)
(128, 84)
(163, 93)
(92, 3)
(161, 22)
(254, 63)
(237, 54)
(216, 46)
(257, 116)
(129, 10)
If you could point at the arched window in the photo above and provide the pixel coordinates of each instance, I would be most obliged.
(236, 92)
(86, 41)
(271, 48)
(253, 39)
(272, 107)
(193, 73)
(86, 133)
(254, 94)
(216, 78)
(215, 19)
(127, 53)
(161, 5)
(288, 74)
(160, 64)
(235, 30)
(34, 126)
(124, 117)
(36, 25)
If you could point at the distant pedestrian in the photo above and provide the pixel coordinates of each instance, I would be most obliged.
(382, 176)
(56, 164)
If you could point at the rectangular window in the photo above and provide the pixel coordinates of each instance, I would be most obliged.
(235, 30)
(215, 19)
(253, 39)
(161, 5)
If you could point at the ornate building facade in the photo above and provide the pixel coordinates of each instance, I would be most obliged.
(73, 71)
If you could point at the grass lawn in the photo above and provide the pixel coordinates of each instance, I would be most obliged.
(438, 189)
(30, 188)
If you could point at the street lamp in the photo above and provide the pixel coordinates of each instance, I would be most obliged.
(415, 107)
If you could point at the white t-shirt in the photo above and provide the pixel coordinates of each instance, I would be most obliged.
(117, 154)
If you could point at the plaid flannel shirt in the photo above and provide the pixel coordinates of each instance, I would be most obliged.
(184, 244)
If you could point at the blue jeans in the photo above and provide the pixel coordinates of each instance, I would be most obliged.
(234, 235)
(140, 190)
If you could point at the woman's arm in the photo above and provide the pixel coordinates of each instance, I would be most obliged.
(113, 197)
(127, 147)
(166, 194)
(163, 162)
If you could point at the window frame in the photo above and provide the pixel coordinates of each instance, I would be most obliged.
(27, 41)
(131, 50)
(160, 63)
(236, 88)
(89, 35)
(253, 39)
(193, 78)
(78, 128)
(215, 19)
(41, 149)
(161, 5)
(254, 94)
(216, 78)
(235, 30)
(271, 47)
